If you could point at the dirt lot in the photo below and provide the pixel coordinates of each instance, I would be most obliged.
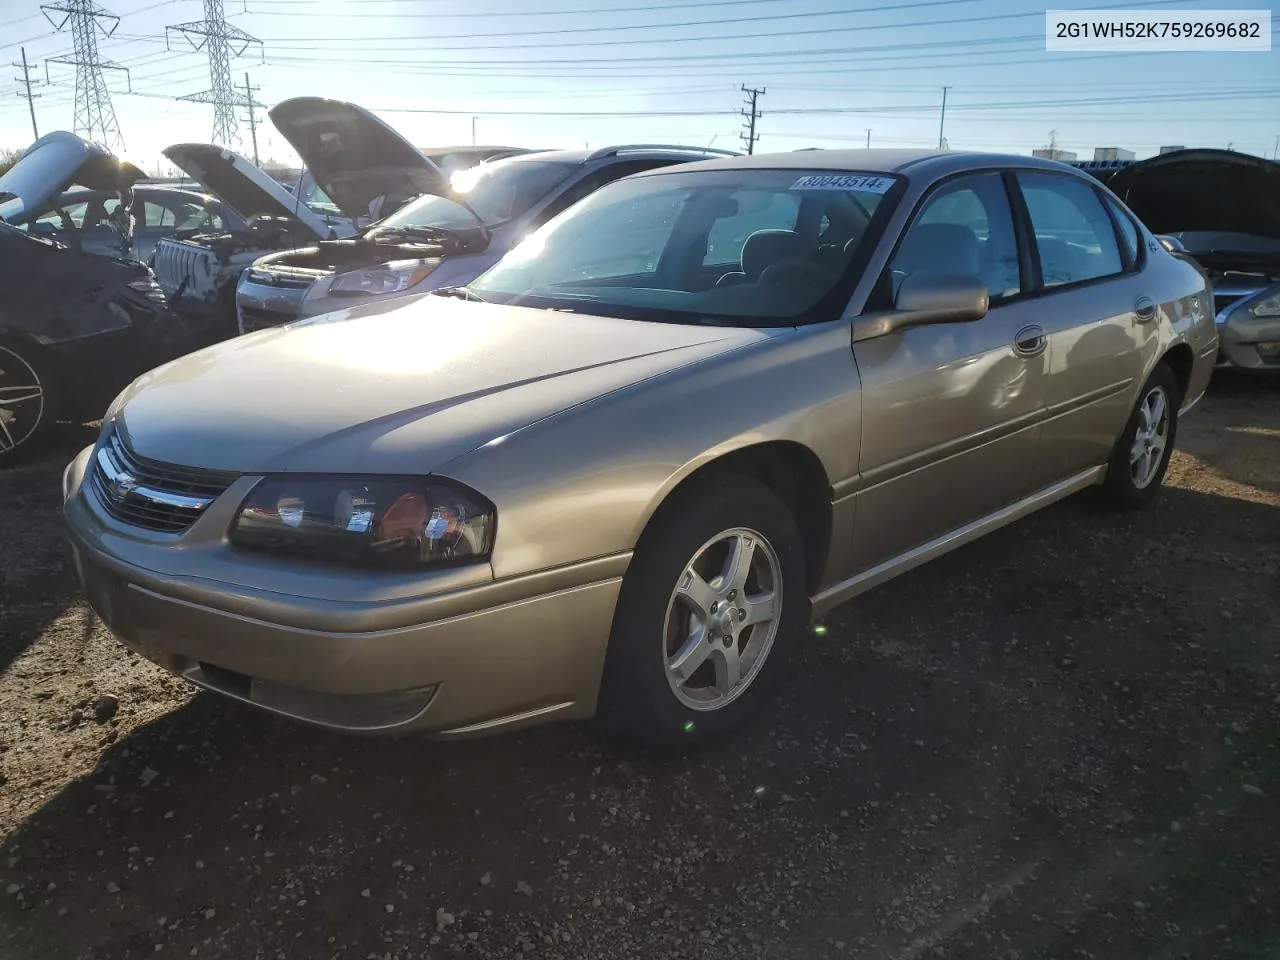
(1058, 742)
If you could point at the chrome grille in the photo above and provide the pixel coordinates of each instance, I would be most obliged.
(149, 494)
(174, 263)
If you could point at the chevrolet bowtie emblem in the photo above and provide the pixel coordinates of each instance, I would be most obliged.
(121, 486)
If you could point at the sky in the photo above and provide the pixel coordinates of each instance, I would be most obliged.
(568, 73)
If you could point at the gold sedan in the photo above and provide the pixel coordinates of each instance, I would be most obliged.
(617, 474)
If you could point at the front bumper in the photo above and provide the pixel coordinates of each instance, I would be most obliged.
(260, 306)
(1246, 342)
(467, 662)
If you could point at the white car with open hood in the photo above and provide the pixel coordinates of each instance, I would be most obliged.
(199, 271)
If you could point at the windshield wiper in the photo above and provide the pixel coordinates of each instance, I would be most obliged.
(459, 293)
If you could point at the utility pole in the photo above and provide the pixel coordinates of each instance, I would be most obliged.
(27, 82)
(473, 130)
(942, 120)
(221, 41)
(95, 117)
(1274, 150)
(252, 118)
(752, 114)
(868, 138)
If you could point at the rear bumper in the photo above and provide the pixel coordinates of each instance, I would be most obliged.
(495, 657)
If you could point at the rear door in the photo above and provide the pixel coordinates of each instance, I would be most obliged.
(951, 412)
(1097, 314)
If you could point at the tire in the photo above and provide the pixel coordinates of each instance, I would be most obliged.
(1131, 483)
(641, 701)
(28, 401)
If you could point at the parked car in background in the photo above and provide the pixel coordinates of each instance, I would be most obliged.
(1223, 209)
(450, 160)
(75, 328)
(89, 218)
(453, 232)
(49, 168)
(198, 269)
(619, 472)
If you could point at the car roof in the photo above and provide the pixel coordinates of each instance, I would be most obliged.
(639, 151)
(77, 193)
(927, 163)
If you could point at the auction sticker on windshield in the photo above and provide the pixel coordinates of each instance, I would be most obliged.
(844, 181)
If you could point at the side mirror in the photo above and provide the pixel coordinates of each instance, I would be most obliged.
(924, 299)
(1172, 244)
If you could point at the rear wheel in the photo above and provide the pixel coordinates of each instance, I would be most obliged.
(710, 612)
(27, 408)
(1141, 457)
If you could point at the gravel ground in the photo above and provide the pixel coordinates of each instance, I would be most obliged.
(1058, 742)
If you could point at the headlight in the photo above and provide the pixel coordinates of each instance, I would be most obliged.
(386, 278)
(1266, 309)
(381, 522)
(149, 289)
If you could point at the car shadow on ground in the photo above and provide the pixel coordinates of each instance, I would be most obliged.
(37, 580)
(1052, 739)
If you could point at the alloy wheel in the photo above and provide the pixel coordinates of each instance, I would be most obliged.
(22, 400)
(1150, 438)
(722, 619)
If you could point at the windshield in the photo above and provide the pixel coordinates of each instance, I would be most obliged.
(496, 191)
(751, 247)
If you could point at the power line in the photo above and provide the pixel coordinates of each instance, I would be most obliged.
(751, 114)
(95, 116)
(221, 41)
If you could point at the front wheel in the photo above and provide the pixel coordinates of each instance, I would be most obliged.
(26, 401)
(1141, 457)
(710, 612)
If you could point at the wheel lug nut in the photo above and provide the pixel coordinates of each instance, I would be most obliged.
(733, 594)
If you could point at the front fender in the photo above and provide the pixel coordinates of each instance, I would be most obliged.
(583, 483)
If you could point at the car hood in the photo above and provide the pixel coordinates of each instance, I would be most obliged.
(394, 388)
(51, 165)
(1211, 190)
(355, 157)
(247, 189)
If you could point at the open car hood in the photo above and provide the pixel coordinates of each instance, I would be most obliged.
(248, 190)
(52, 164)
(355, 157)
(1211, 190)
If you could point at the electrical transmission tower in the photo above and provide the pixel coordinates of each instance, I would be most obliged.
(221, 41)
(751, 115)
(95, 116)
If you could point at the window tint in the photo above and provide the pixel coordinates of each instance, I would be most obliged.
(965, 228)
(1073, 232)
(1128, 230)
(52, 220)
(155, 215)
(757, 211)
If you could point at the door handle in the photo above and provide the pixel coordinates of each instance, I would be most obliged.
(1030, 341)
(1144, 309)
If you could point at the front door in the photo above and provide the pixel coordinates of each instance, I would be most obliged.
(950, 412)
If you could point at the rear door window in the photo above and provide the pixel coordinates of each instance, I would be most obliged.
(1074, 236)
